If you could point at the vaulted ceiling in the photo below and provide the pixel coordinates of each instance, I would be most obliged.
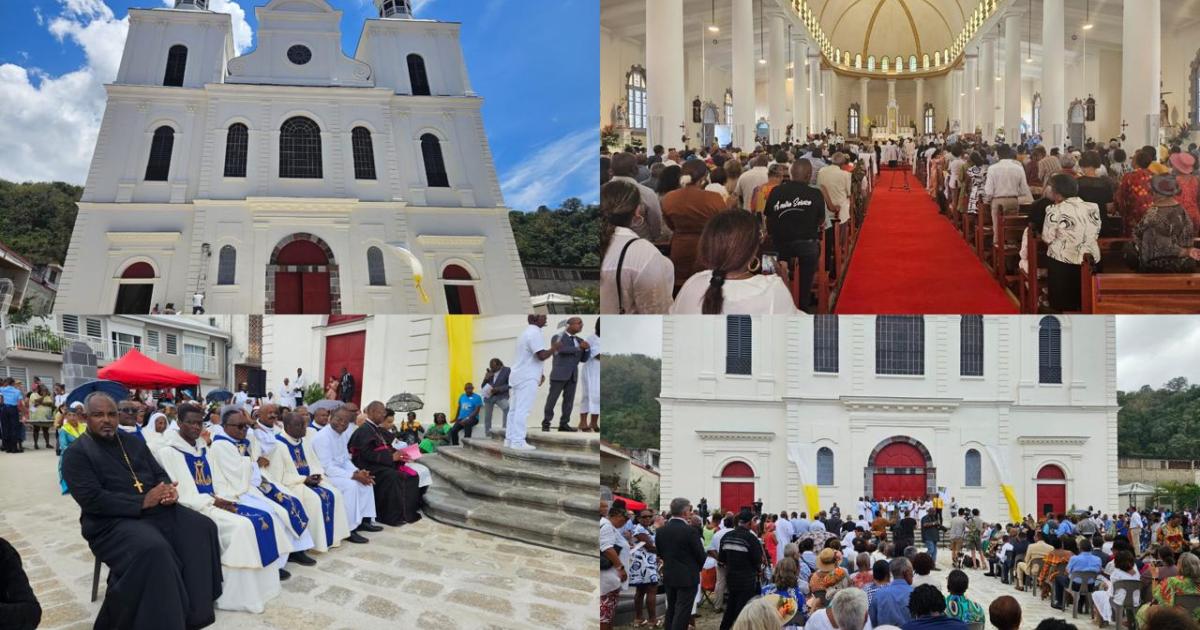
(892, 28)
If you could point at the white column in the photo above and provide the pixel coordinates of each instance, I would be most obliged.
(891, 91)
(665, 100)
(1141, 67)
(863, 105)
(743, 73)
(777, 77)
(958, 90)
(1054, 88)
(832, 110)
(1012, 78)
(919, 110)
(814, 94)
(970, 113)
(799, 87)
(987, 84)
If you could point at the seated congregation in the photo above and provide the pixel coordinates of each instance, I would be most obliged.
(204, 512)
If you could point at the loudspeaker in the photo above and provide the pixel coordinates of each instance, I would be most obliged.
(256, 382)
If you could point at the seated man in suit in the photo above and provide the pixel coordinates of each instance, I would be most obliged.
(682, 552)
(564, 373)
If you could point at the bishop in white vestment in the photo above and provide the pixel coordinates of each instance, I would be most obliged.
(299, 471)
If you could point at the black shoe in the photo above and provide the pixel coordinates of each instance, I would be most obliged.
(566, 428)
(1057, 606)
(301, 558)
(284, 575)
(357, 538)
(370, 527)
(545, 428)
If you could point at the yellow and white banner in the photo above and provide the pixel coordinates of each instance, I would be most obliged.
(802, 457)
(1000, 461)
(460, 342)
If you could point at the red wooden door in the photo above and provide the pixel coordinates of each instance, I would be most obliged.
(288, 300)
(736, 495)
(894, 487)
(346, 351)
(1051, 493)
(899, 472)
(315, 293)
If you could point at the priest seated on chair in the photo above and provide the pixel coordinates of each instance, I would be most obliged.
(250, 551)
(164, 558)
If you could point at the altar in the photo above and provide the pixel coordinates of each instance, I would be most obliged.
(892, 126)
(883, 134)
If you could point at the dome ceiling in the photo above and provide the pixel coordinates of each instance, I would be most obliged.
(892, 28)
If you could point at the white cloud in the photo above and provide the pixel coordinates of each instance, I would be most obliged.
(419, 5)
(49, 123)
(1153, 349)
(550, 174)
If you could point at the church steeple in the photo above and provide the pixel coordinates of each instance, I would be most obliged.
(401, 9)
(200, 5)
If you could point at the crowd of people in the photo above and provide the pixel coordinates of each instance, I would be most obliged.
(878, 567)
(713, 230)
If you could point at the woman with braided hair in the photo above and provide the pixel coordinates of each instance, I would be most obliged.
(646, 277)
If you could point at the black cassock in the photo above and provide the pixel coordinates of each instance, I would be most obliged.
(397, 494)
(164, 562)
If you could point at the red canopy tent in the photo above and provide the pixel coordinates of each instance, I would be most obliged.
(635, 505)
(138, 371)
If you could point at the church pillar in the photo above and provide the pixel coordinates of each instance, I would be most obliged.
(833, 109)
(970, 113)
(1012, 77)
(743, 73)
(919, 111)
(1054, 67)
(814, 94)
(799, 87)
(665, 99)
(863, 107)
(777, 77)
(987, 84)
(959, 91)
(1141, 69)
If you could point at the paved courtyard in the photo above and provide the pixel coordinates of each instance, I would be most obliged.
(425, 575)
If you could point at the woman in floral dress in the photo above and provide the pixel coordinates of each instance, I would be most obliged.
(643, 572)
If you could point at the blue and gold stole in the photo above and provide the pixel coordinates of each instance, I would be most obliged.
(295, 510)
(326, 496)
(268, 550)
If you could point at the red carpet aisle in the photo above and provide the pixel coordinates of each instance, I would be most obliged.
(910, 260)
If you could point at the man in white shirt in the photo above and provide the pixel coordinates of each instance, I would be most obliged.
(1135, 529)
(241, 398)
(783, 529)
(299, 385)
(751, 179)
(1005, 184)
(524, 379)
(956, 168)
(197, 303)
(286, 396)
(714, 546)
(834, 183)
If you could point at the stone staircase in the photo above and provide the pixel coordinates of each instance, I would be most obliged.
(547, 497)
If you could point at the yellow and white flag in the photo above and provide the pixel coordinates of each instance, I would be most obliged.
(802, 458)
(1000, 461)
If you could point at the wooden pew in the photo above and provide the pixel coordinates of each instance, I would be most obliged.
(984, 231)
(1118, 290)
(1029, 284)
(1006, 246)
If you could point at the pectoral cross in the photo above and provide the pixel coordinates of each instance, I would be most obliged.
(137, 484)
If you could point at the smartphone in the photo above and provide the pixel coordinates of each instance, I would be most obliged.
(769, 260)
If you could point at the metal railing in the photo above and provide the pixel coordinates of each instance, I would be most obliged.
(199, 364)
(45, 339)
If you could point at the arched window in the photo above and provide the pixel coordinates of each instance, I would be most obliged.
(858, 60)
(970, 345)
(417, 76)
(837, 55)
(912, 63)
(925, 61)
(853, 126)
(871, 62)
(435, 166)
(237, 142)
(886, 63)
(227, 265)
(824, 466)
(974, 469)
(899, 64)
(929, 119)
(364, 153)
(635, 97)
(1049, 350)
(728, 107)
(1037, 114)
(899, 344)
(300, 149)
(460, 291)
(375, 271)
(937, 58)
(158, 167)
(846, 58)
(176, 65)
(946, 55)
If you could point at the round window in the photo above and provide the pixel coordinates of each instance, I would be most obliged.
(299, 54)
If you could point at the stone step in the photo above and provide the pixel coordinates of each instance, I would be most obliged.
(447, 471)
(555, 441)
(563, 458)
(511, 472)
(576, 535)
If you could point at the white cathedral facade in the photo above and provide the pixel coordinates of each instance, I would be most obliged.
(293, 178)
(890, 407)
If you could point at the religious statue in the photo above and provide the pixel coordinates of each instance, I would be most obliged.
(696, 104)
(1091, 108)
(619, 115)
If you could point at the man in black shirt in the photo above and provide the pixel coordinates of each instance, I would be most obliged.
(741, 554)
(904, 531)
(795, 212)
(931, 533)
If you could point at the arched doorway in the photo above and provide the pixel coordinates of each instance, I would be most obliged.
(1051, 489)
(302, 278)
(1076, 123)
(460, 291)
(134, 295)
(737, 486)
(900, 468)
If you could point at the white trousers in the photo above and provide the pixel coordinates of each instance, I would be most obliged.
(590, 403)
(520, 404)
(359, 500)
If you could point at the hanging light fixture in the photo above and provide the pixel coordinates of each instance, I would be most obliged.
(1087, 21)
(762, 48)
(712, 27)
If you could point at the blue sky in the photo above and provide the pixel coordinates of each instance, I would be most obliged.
(535, 63)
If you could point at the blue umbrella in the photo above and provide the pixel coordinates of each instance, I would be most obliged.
(218, 395)
(118, 391)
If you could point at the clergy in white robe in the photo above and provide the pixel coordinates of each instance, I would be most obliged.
(300, 472)
(250, 539)
(590, 405)
(331, 445)
(155, 432)
(237, 477)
